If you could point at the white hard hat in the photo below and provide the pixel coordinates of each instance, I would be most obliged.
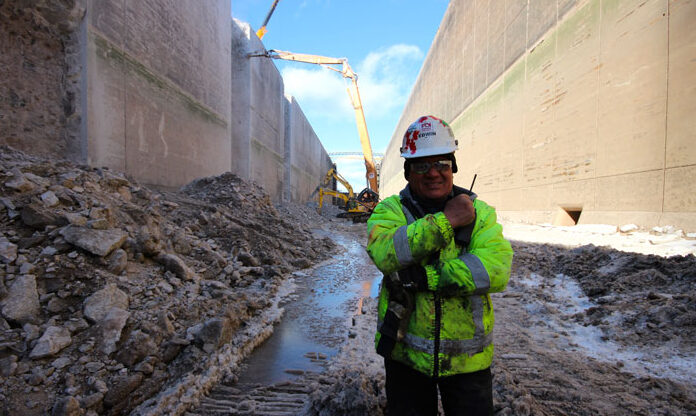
(428, 136)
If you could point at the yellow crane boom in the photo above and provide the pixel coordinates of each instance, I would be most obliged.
(347, 72)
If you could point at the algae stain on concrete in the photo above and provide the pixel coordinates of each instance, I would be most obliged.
(110, 52)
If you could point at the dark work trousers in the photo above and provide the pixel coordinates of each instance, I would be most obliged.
(410, 393)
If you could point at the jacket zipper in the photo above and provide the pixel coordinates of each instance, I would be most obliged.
(438, 324)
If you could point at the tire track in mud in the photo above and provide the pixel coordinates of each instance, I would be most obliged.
(331, 291)
(281, 399)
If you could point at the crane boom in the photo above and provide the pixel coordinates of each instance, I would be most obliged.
(347, 72)
(262, 30)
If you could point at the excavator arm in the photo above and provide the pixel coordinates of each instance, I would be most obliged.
(347, 72)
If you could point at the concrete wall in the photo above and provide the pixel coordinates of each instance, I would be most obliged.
(272, 139)
(563, 104)
(306, 147)
(163, 90)
(159, 96)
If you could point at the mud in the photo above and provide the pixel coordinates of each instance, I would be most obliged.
(579, 331)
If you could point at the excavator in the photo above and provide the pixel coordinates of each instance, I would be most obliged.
(367, 199)
(356, 207)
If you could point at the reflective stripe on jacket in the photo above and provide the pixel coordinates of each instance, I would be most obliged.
(454, 316)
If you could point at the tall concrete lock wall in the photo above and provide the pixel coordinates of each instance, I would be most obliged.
(273, 140)
(163, 90)
(159, 88)
(307, 147)
(566, 107)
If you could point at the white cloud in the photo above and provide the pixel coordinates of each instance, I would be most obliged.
(385, 77)
(319, 91)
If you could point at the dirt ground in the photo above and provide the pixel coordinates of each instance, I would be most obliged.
(580, 330)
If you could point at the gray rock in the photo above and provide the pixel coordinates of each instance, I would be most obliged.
(164, 323)
(76, 324)
(75, 219)
(67, 406)
(247, 259)
(31, 332)
(214, 332)
(94, 366)
(38, 217)
(121, 387)
(22, 301)
(19, 182)
(49, 199)
(111, 327)
(61, 362)
(51, 342)
(101, 302)
(138, 346)
(38, 180)
(56, 305)
(174, 264)
(26, 268)
(118, 261)
(98, 224)
(98, 242)
(91, 400)
(8, 251)
(8, 365)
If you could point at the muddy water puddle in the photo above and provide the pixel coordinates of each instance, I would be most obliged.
(316, 315)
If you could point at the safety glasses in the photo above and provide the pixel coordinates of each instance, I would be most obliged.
(422, 168)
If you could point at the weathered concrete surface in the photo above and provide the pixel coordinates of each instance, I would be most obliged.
(564, 105)
(158, 88)
(304, 146)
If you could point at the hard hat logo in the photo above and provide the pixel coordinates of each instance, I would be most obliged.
(426, 137)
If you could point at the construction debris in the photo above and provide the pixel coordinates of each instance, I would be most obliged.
(117, 298)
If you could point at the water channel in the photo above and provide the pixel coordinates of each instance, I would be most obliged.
(315, 320)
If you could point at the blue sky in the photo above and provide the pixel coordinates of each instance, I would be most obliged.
(385, 42)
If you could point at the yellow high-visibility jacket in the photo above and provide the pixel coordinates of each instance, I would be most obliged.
(450, 315)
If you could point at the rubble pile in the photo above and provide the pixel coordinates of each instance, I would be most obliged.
(637, 299)
(111, 293)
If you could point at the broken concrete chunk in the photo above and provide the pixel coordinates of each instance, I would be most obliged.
(75, 218)
(174, 264)
(112, 325)
(67, 406)
(19, 182)
(101, 302)
(247, 259)
(8, 251)
(49, 199)
(118, 261)
(98, 242)
(138, 346)
(39, 217)
(51, 342)
(22, 301)
(120, 388)
(8, 365)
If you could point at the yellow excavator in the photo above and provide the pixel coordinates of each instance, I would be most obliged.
(368, 197)
(355, 207)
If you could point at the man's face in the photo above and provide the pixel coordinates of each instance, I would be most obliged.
(433, 184)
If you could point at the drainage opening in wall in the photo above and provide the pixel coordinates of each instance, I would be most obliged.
(567, 215)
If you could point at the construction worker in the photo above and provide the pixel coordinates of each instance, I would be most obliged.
(442, 253)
